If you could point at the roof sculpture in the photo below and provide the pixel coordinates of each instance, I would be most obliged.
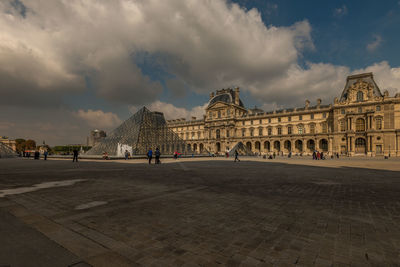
(6, 152)
(144, 130)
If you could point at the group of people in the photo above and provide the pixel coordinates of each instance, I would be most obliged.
(36, 154)
(317, 155)
(157, 155)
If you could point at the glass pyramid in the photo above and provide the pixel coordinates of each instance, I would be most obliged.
(144, 130)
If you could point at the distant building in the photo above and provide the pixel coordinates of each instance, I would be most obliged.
(363, 121)
(8, 142)
(95, 137)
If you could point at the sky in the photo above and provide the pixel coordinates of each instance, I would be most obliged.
(70, 66)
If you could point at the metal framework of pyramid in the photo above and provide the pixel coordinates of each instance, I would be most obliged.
(6, 152)
(144, 130)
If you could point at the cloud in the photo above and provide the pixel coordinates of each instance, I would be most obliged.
(172, 112)
(371, 47)
(56, 46)
(340, 11)
(98, 118)
(386, 77)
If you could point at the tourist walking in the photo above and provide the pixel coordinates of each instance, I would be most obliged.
(76, 153)
(314, 155)
(150, 155)
(45, 154)
(126, 154)
(236, 156)
(158, 154)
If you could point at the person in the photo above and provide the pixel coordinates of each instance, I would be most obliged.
(126, 154)
(318, 155)
(76, 153)
(45, 154)
(150, 155)
(290, 154)
(314, 155)
(236, 156)
(105, 155)
(274, 155)
(158, 154)
(175, 154)
(322, 155)
(37, 154)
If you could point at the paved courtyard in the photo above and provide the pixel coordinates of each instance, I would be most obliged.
(200, 212)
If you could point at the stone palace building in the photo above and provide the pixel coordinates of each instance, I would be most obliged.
(362, 121)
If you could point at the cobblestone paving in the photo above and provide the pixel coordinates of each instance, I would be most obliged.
(213, 212)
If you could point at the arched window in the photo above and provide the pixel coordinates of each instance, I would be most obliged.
(360, 125)
(360, 96)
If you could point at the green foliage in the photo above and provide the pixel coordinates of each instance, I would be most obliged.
(20, 144)
(30, 144)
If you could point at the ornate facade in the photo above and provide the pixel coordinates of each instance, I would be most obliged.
(363, 121)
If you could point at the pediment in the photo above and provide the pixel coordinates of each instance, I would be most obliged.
(217, 105)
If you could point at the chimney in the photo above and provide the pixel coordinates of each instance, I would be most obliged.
(237, 96)
(307, 104)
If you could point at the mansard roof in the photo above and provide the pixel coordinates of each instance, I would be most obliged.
(364, 77)
(225, 96)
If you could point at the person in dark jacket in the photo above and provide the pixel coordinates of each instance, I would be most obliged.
(157, 154)
(76, 153)
(236, 156)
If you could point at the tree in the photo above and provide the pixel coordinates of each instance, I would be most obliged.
(30, 144)
(20, 144)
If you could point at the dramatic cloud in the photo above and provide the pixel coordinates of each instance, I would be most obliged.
(340, 11)
(98, 118)
(375, 43)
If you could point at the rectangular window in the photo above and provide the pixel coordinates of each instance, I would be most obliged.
(289, 118)
(312, 116)
(312, 128)
(300, 129)
(252, 122)
(300, 117)
(260, 121)
(243, 132)
(324, 128)
(251, 132)
(227, 133)
(269, 131)
(260, 132)
(279, 130)
(342, 111)
(378, 123)
(279, 119)
(242, 122)
(289, 129)
(342, 126)
(269, 120)
(378, 108)
(324, 115)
